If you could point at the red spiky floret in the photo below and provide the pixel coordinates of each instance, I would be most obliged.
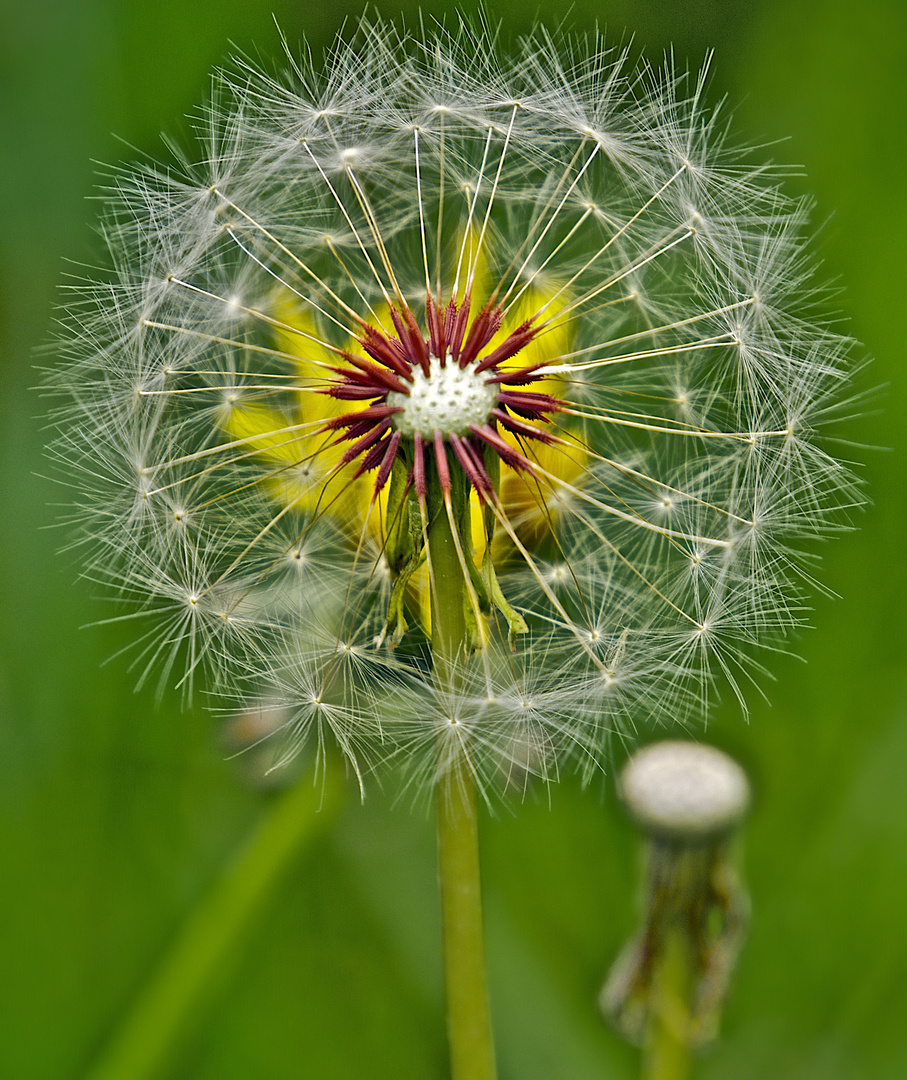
(375, 374)
(505, 452)
(519, 339)
(455, 326)
(435, 323)
(380, 456)
(441, 463)
(370, 416)
(365, 442)
(520, 427)
(486, 325)
(391, 446)
(472, 465)
(519, 377)
(418, 474)
(531, 405)
(386, 351)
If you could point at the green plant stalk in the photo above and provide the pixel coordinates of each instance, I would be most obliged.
(468, 1019)
(680, 884)
(195, 961)
(666, 1046)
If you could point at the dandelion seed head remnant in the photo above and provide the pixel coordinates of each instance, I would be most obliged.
(537, 303)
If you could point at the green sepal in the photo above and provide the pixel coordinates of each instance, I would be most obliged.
(404, 547)
(397, 623)
(404, 544)
(516, 624)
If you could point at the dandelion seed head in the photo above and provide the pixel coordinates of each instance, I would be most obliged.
(542, 297)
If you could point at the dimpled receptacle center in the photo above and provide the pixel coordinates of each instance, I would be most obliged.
(448, 400)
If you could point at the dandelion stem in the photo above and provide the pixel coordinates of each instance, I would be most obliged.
(681, 882)
(468, 1019)
(666, 1047)
(174, 995)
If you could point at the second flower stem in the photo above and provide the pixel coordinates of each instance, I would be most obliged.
(666, 1048)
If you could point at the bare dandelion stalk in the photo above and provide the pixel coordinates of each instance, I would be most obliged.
(666, 990)
(458, 410)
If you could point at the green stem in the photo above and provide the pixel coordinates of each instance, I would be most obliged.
(171, 1000)
(666, 1048)
(468, 1019)
(680, 878)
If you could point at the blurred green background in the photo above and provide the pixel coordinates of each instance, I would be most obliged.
(119, 817)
